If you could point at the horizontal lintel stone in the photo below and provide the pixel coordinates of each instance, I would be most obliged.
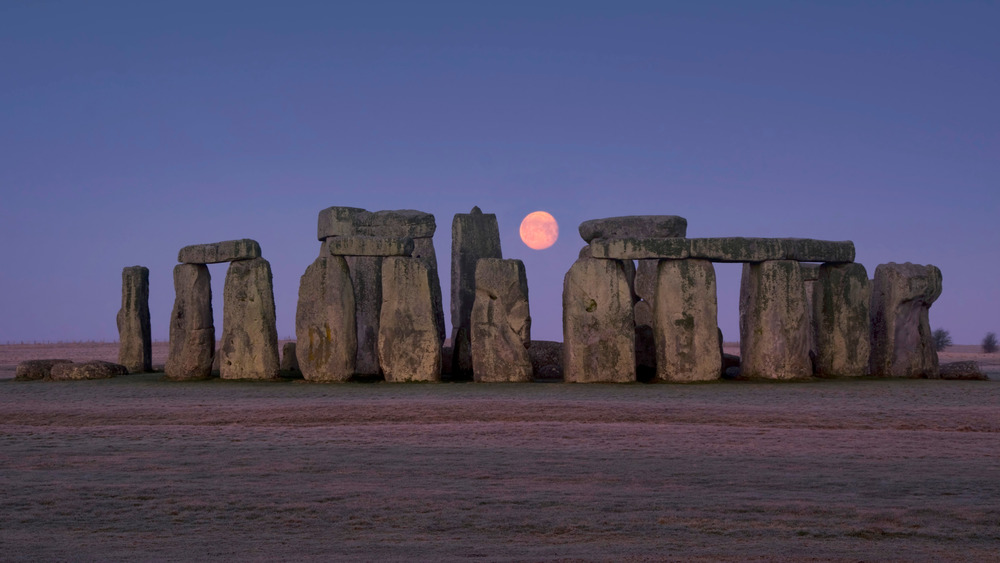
(639, 248)
(726, 249)
(370, 246)
(337, 222)
(225, 251)
(634, 226)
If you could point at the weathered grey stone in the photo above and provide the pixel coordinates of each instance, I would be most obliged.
(963, 371)
(646, 273)
(901, 341)
(634, 226)
(249, 348)
(135, 348)
(423, 248)
(686, 327)
(501, 322)
(810, 273)
(31, 370)
(192, 332)
(366, 278)
(338, 222)
(474, 235)
(225, 251)
(746, 249)
(95, 369)
(774, 324)
(598, 325)
(841, 318)
(397, 223)
(409, 342)
(546, 359)
(369, 246)
(640, 248)
(326, 341)
(289, 361)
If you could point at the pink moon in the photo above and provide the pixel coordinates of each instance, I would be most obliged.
(539, 230)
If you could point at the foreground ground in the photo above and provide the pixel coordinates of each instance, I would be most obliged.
(140, 468)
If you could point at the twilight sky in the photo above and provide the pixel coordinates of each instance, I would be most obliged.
(131, 129)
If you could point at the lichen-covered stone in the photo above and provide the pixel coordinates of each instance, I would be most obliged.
(366, 278)
(192, 332)
(640, 248)
(501, 322)
(326, 342)
(774, 323)
(686, 328)
(249, 347)
(963, 371)
(95, 369)
(840, 302)
(409, 343)
(423, 249)
(338, 222)
(474, 235)
(32, 370)
(546, 359)
(216, 252)
(135, 348)
(634, 226)
(598, 325)
(369, 246)
(901, 341)
(397, 223)
(747, 249)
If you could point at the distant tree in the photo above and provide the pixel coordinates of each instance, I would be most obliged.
(990, 342)
(942, 339)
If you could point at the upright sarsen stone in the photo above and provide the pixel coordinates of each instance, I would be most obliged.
(598, 326)
(192, 332)
(901, 342)
(474, 235)
(409, 342)
(249, 348)
(366, 279)
(686, 324)
(774, 322)
(501, 322)
(216, 252)
(135, 349)
(325, 331)
(841, 295)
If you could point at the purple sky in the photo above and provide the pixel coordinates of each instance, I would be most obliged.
(130, 129)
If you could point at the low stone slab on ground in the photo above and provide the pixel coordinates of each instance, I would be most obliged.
(369, 246)
(95, 369)
(216, 252)
(962, 371)
(634, 226)
(31, 370)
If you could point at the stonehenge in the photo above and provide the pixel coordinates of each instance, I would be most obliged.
(501, 322)
(901, 343)
(774, 321)
(135, 350)
(409, 338)
(685, 325)
(840, 304)
(326, 341)
(474, 235)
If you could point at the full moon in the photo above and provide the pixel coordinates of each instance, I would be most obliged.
(539, 230)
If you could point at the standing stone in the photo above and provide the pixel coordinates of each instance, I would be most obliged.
(645, 340)
(501, 322)
(474, 235)
(841, 294)
(135, 349)
(423, 248)
(192, 332)
(686, 325)
(901, 342)
(774, 323)
(326, 342)
(409, 341)
(289, 362)
(366, 279)
(598, 326)
(249, 348)
(810, 274)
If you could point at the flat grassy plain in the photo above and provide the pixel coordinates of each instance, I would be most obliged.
(140, 468)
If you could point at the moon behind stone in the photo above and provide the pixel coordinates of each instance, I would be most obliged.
(539, 230)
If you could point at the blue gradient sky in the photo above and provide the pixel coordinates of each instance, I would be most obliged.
(130, 129)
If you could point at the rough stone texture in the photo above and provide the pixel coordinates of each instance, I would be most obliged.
(841, 319)
(135, 349)
(338, 222)
(546, 359)
(225, 251)
(326, 342)
(963, 370)
(474, 235)
(598, 326)
(95, 369)
(409, 342)
(289, 362)
(745, 249)
(369, 246)
(192, 332)
(641, 248)
(423, 248)
(901, 342)
(249, 348)
(501, 322)
(774, 323)
(397, 223)
(366, 278)
(686, 328)
(644, 290)
(634, 226)
(31, 370)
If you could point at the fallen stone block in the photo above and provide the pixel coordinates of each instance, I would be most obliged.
(962, 371)
(249, 346)
(216, 252)
(369, 246)
(32, 370)
(95, 369)
(634, 226)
